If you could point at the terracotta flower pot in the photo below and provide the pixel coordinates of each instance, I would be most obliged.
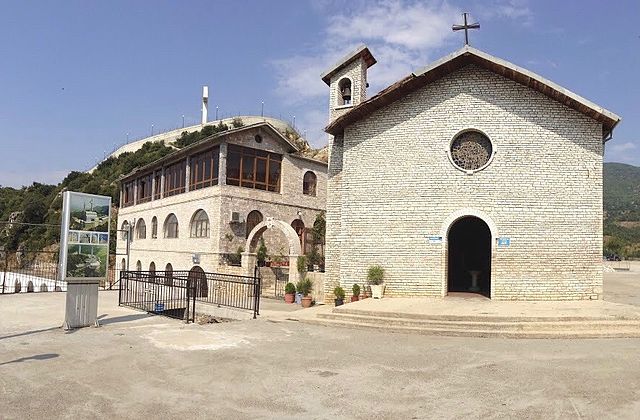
(289, 297)
(306, 301)
(355, 298)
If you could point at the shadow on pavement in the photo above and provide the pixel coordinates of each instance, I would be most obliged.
(44, 356)
(124, 318)
(29, 332)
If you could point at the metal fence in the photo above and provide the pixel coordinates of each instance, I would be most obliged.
(174, 293)
(228, 290)
(29, 271)
(162, 293)
(282, 278)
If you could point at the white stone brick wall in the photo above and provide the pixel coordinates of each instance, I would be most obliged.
(393, 185)
(219, 202)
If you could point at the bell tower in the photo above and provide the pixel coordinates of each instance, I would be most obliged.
(347, 81)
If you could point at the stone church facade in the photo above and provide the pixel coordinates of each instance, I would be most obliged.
(470, 175)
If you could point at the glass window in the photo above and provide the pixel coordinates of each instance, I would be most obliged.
(309, 184)
(204, 169)
(171, 226)
(200, 225)
(253, 168)
(154, 227)
(144, 188)
(128, 189)
(174, 179)
(141, 229)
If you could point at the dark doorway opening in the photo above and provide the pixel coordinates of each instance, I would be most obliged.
(469, 257)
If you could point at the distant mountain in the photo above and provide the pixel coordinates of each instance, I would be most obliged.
(622, 209)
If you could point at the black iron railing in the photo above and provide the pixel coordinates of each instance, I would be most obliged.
(162, 293)
(227, 290)
(29, 271)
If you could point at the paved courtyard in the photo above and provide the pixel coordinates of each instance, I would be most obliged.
(137, 366)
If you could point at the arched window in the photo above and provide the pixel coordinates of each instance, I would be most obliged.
(309, 184)
(124, 235)
(152, 271)
(30, 287)
(141, 229)
(138, 266)
(200, 225)
(123, 265)
(298, 226)
(154, 227)
(44, 288)
(253, 219)
(17, 287)
(171, 226)
(344, 92)
(168, 274)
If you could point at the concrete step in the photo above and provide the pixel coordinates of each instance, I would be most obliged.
(626, 332)
(485, 318)
(476, 323)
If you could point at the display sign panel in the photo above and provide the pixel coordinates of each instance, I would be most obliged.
(84, 239)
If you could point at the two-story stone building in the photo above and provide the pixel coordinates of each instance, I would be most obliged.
(197, 206)
(469, 175)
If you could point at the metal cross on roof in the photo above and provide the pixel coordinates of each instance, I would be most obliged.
(466, 28)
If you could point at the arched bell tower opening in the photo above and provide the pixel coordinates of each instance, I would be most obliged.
(344, 91)
(469, 256)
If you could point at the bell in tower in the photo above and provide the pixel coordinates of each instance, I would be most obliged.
(345, 91)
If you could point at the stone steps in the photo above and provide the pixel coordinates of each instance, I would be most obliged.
(481, 326)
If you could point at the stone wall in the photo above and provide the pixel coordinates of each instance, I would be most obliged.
(392, 185)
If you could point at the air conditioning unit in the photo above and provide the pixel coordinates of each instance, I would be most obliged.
(235, 217)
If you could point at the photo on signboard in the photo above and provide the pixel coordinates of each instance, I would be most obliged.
(104, 238)
(94, 238)
(84, 237)
(73, 237)
(87, 260)
(89, 213)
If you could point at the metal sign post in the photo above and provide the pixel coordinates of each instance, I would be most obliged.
(84, 254)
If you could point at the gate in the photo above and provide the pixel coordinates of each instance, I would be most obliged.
(163, 293)
(282, 278)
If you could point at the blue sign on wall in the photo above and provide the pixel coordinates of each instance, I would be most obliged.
(159, 307)
(504, 241)
(435, 239)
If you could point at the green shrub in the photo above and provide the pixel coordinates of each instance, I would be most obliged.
(262, 251)
(304, 286)
(302, 264)
(375, 275)
(339, 292)
(356, 290)
(289, 288)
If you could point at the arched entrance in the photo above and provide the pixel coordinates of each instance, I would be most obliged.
(295, 249)
(469, 256)
(197, 276)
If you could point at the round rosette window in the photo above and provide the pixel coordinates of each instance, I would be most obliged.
(471, 151)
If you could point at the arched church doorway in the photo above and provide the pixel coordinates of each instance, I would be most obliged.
(197, 276)
(469, 256)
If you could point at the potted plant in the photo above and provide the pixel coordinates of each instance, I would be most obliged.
(375, 277)
(304, 287)
(261, 254)
(364, 293)
(356, 292)
(339, 294)
(289, 293)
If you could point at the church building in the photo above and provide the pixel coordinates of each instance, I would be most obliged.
(469, 175)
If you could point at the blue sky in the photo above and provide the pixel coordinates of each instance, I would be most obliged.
(77, 76)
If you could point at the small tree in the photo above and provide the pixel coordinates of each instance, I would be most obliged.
(289, 288)
(339, 292)
(302, 264)
(304, 286)
(375, 275)
(356, 289)
(262, 251)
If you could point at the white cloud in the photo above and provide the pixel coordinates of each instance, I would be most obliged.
(402, 35)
